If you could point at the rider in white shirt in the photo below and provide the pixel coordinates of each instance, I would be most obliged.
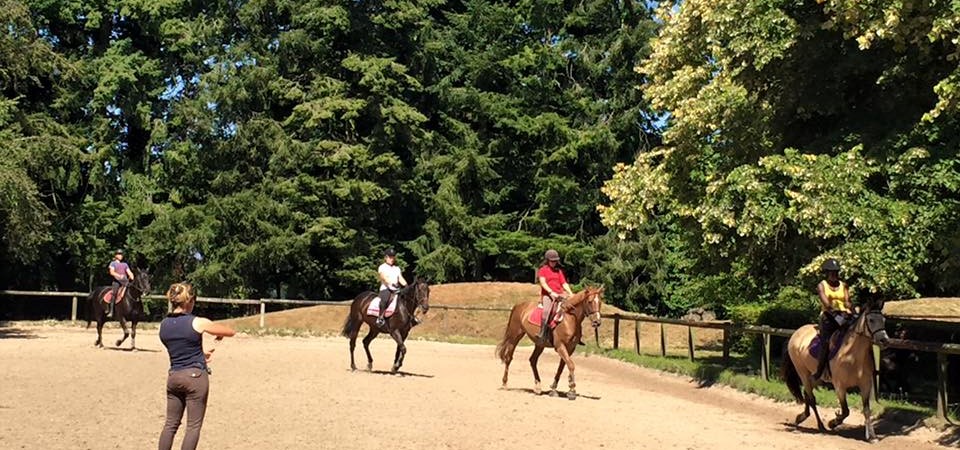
(391, 280)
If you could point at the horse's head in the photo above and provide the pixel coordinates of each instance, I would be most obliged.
(872, 323)
(590, 299)
(141, 282)
(593, 303)
(421, 294)
(416, 295)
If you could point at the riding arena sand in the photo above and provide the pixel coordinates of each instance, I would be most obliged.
(58, 392)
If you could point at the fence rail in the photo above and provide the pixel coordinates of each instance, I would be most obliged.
(942, 350)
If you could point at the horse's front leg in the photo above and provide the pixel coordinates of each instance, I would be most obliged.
(865, 389)
(556, 379)
(133, 335)
(100, 321)
(844, 410)
(123, 324)
(565, 357)
(401, 350)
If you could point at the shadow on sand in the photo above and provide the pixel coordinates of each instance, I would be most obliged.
(562, 395)
(15, 333)
(397, 374)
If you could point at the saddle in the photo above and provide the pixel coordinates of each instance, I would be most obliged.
(536, 316)
(834, 342)
(108, 297)
(374, 308)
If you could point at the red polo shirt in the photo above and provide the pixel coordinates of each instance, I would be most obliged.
(555, 279)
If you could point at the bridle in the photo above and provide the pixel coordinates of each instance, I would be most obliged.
(864, 329)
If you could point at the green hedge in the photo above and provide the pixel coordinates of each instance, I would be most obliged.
(793, 308)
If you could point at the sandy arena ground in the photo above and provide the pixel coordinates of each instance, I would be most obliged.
(57, 392)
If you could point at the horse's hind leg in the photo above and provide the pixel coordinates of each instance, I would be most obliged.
(366, 346)
(353, 346)
(844, 410)
(811, 402)
(533, 365)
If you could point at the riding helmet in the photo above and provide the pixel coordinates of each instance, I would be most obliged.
(390, 252)
(551, 255)
(118, 252)
(830, 265)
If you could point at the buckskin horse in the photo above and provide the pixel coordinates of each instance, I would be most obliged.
(408, 300)
(130, 307)
(565, 335)
(852, 366)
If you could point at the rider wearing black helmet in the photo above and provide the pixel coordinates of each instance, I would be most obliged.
(391, 280)
(835, 309)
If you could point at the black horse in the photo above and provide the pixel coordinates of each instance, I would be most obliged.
(409, 299)
(130, 307)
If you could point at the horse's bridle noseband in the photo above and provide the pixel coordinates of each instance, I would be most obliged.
(866, 331)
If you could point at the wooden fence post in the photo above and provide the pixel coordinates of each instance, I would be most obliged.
(616, 331)
(942, 404)
(169, 306)
(765, 357)
(73, 309)
(690, 341)
(636, 335)
(663, 342)
(726, 346)
(263, 313)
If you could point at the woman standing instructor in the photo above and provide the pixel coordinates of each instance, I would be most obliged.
(187, 382)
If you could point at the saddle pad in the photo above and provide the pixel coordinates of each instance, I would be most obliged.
(536, 317)
(834, 343)
(374, 308)
(108, 296)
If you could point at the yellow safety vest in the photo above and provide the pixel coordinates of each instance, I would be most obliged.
(835, 296)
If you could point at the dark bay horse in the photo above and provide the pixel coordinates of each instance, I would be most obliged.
(565, 335)
(852, 367)
(409, 300)
(128, 308)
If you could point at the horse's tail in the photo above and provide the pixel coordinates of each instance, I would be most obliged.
(503, 349)
(91, 305)
(352, 323)
(789, 374)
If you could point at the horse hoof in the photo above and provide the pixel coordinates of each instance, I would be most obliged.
(503, 387)
(118, 343)
(800, 418)
(134, 349)
(553, 393)
(571, 395)
(353, 368)
(537, 390)
(394, 369)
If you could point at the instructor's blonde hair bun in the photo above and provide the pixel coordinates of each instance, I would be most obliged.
(181, 293)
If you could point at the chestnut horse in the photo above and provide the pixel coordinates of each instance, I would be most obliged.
(409, 300)
(853, 366)
(566, 335)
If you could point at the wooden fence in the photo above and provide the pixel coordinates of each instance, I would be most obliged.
(942, 350)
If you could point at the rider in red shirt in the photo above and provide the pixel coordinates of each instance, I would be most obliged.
(553, 289)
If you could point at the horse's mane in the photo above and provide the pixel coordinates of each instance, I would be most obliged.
(578, 298)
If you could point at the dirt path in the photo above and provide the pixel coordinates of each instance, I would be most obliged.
(57, 392)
